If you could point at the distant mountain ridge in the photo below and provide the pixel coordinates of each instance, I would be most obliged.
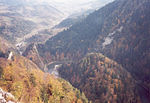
(24, 22)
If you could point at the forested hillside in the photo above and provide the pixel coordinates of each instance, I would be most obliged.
(29, 84)
(101, 79)
(120, 31)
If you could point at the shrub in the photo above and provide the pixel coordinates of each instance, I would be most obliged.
(44, 95)
(32, 79)
(1, 72)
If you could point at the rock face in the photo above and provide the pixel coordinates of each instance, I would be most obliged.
(10, 56)
(32, 53)
(6, 97)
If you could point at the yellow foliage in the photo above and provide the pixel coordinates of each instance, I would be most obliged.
(17, 89)
(29, 84)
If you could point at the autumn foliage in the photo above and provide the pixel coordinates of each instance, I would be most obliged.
(29, 84)
(101, 79)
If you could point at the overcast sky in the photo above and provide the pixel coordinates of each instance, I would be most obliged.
(65, 1)
(77, 5)
(66, 6)
(75, 1)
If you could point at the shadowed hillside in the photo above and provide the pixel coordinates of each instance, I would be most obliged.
(101, 79)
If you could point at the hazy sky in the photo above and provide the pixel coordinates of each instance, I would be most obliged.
(65, 1)
(67, 6)
(77, 5)
(75, 1)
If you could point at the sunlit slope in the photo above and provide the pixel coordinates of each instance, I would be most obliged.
(29, 84)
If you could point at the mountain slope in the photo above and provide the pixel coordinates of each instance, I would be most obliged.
(119, 30)
(29, 84)
(101, 79)
(23, 23)
(32, 53)
(5, 45)
(6, 97)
